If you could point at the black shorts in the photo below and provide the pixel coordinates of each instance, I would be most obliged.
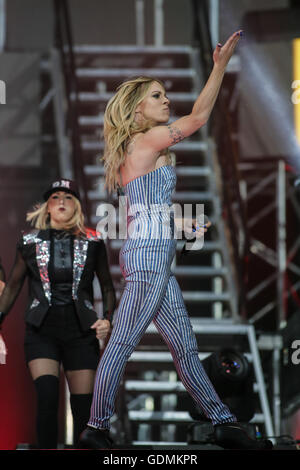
(61, 338)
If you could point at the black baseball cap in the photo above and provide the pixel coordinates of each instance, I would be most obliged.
(66, 185)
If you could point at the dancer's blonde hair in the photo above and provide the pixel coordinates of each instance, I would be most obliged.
(120, 125)
(40, 219)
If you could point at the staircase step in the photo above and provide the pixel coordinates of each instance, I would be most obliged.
(156, 356)
(192, 196)
(93, 103)
(193, 171)
(91, 78)
(177, 196)
(189, 297)
(173, 445)
(97, 120)
(178, 417)
(151, 386)
(130, 49)
(147, 386)
(98, 170)
(194, 296)
(94, 219)
(187, 271)
(94, 170)
(91, 121)
(208, 245)
(123, 73)
(185, 146)
(212, 326)
(153, 356)
(96, 97)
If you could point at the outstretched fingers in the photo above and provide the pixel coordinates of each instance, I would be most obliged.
(223, 53)
(233, 40)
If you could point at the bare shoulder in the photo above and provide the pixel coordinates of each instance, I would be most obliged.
(139, 153)
(140, 158)
(133, 143)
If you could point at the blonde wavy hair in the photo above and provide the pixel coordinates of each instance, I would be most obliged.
(120, 125)
(40, 218)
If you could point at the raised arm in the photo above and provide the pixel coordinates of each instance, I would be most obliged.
(161, 137)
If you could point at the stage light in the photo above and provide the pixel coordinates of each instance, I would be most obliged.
(233, 379)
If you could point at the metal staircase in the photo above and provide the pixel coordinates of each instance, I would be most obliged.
(152, 405)
(205, 279)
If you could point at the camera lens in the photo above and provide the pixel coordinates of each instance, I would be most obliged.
(230, 366)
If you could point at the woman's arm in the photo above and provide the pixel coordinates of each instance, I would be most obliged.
(2, 285)
(13, 285)
(161, 137)
(2, 272)
(2, 278)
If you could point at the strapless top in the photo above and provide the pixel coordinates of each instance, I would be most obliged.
(153, 188)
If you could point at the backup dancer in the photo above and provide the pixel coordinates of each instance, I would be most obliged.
(59, 258)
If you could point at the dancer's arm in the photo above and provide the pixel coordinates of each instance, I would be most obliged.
(105, 281)
(161, 137)
(2, 273)
(2, 285)
(13, 285)
(2, 278)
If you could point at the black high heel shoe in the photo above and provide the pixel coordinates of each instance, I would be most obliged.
(92, 438)
(234, 436)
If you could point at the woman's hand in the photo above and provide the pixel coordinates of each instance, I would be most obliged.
(102, 328)
(2, 285)
(222, 54)
(192, 228)
(198, 229)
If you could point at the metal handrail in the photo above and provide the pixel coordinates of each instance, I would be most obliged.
(221, 130)
(63, 42)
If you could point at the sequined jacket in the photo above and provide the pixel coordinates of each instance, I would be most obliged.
(32, 262)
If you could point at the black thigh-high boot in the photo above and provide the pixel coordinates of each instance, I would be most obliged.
(47, 388)
(81, 407)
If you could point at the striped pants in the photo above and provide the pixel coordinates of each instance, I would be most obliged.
(152, 294)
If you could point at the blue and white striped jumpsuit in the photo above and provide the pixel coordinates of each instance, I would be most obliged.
(152, 294)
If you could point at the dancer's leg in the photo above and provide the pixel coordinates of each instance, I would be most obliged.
(45, 374)
(139, 303)
(174, 325)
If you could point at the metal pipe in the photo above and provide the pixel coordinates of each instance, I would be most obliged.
(276, 390)
(214, 21)
(2, 24)
(281, 241)
(65, 159)
(139, 22)
(260, 381)
(158, 23)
